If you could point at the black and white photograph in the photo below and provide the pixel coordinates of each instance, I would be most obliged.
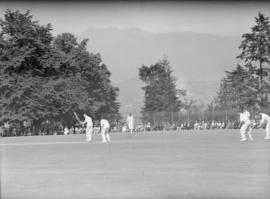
(137, 99)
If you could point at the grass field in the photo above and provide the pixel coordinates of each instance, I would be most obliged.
(191, 164)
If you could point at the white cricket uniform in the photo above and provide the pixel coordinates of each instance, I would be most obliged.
(266, 118)
(130, 122)
(105, 126)
(89, 128)
(65, 131)
(246, 127)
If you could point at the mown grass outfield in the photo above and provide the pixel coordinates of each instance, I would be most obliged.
(190, 164)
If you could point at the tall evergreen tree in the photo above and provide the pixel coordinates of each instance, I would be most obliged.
(161, 94)
(255, 54)
(238, 89)
(248, 85)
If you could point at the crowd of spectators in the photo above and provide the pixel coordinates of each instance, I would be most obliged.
(190, 125)
(203, 125)
(47, 127)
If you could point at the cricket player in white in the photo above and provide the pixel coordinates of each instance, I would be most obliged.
(105, 126)
(89, 127)
(266, 119)
(130, 122)
(246, 126)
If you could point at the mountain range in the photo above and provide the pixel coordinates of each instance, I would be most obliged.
(198, 60)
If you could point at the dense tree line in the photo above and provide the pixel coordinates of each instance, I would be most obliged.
(248, 86)
(45, 77)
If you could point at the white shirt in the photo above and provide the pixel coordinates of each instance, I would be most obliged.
(130, 120)
(66, 131)
(6, 125)
(104, 123)
(265, 117)
(244, 117)
(88, 121)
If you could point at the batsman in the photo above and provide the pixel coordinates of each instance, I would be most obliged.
(89, 126)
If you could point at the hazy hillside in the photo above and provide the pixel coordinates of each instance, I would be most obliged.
(197, 59)
(131, 96)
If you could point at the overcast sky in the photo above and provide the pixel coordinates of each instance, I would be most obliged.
(221, 18)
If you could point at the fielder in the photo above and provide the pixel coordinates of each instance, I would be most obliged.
(266, 119)
(246, 126)
(104, 128)
(89, 127)
(130, 122)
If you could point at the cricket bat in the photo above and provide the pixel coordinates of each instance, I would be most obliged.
(77, 118)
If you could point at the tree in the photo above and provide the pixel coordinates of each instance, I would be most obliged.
(161, 94)
(42, 77)
(24, 42)
(248, 85)
(24, 47)
(93, 75)
(67, 42)
(239, 89)
(255, 53)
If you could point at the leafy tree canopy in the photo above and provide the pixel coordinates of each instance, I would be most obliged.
(45, 77)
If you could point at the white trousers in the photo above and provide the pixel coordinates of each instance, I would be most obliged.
(246, 128)
(105, 134)
(131, 127)
(88, 133)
